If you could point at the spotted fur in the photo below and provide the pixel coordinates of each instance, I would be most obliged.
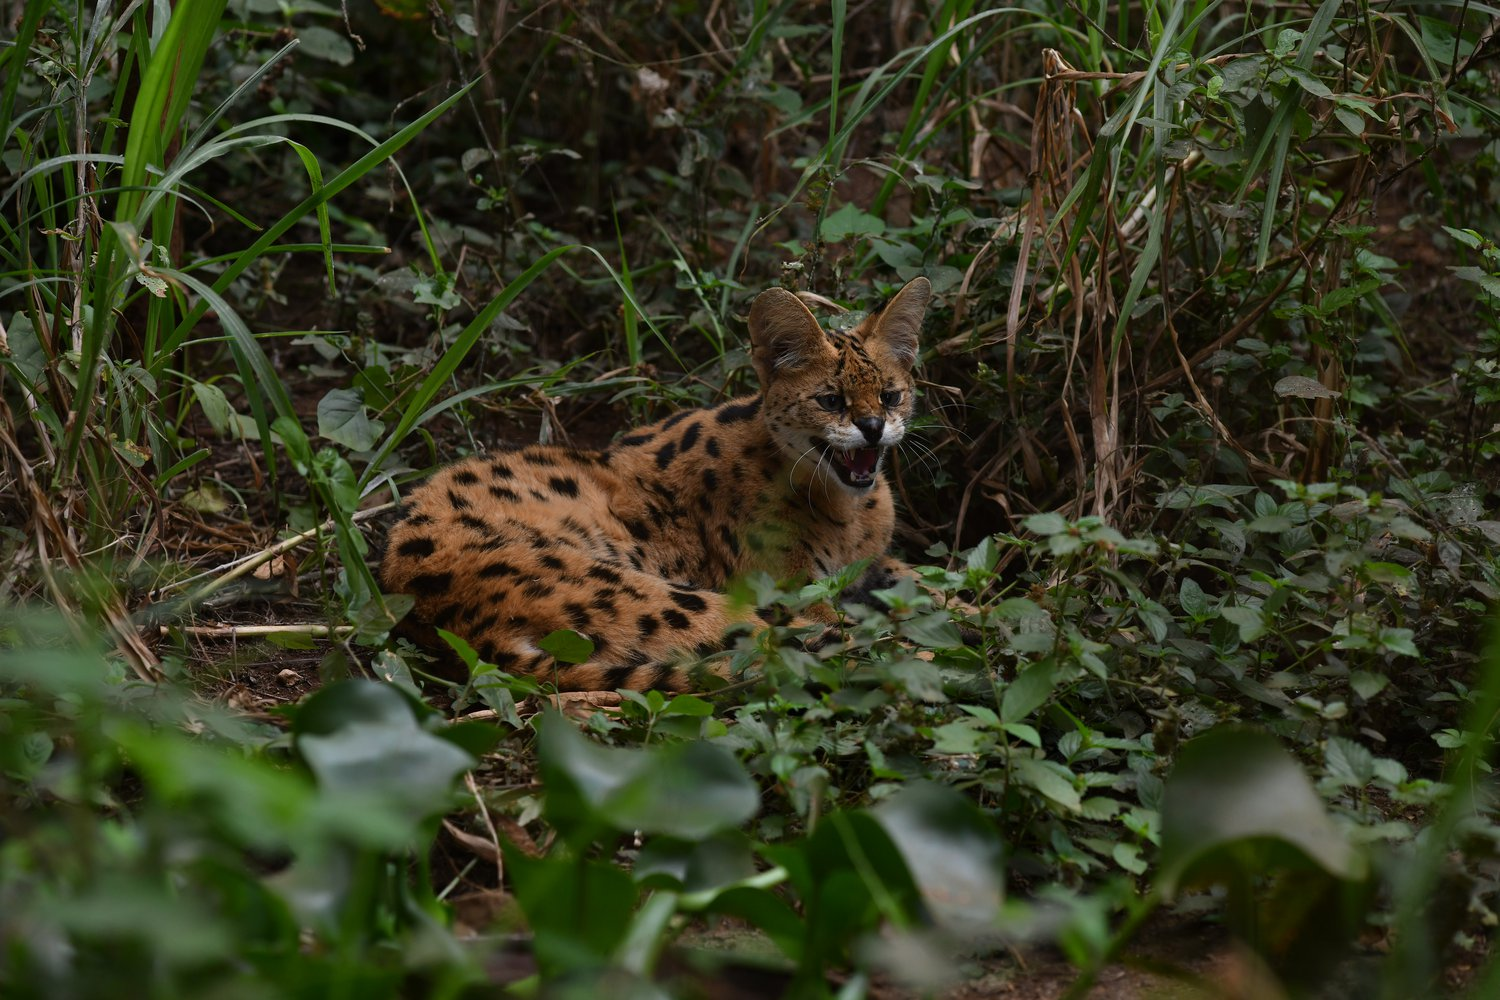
(632, 546)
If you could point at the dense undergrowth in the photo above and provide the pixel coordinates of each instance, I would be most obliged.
(1212, 413)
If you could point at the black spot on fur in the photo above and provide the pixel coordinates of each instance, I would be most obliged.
(712, 447)
(503, 493)
(631, 440)
(458, 502)
(688, 601)
(604, 573)
(478, 524)
(710, 480)
(566, 485)
(676, 619)
(552, 562)
(466, 477)
(430, 584)
(676, 419)
(418, 520)
(617, 677)
(663, 678)
(536, 589)
(689, 438)
(735, 413)
(665, 454)
(416, 548)
(578, 616)
(501, 471)
(637, 529)
(648, 625)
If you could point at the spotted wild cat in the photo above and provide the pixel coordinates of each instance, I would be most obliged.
(632, 546)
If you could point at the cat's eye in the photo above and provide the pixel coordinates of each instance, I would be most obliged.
(890, 398)
(831, 401)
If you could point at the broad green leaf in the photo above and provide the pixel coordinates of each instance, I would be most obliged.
(1048, 777)
(1047, 523)
(578, 911)
(1191, 597)
(1028, 692)
(363, 737)
(342, 419)
(1304, 387)
(1348, 762)
(567, 646)
(696, 866)
(960, 739)
(849, 221)
(1250, 621)
(1233, 786)
(685, 790)
(952, 851)
(215, 406)
(1366, 684)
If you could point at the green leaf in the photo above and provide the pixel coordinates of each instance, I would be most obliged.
(696, 866)
(1302, 387)
(1128, 857)
(325, 44)
(1048, 777)
(960, 738)
(1031, 688)
(1307, 81)
(849, 221)
(690, 705)
(215, 406)
(1366, 684)
(1023, 732)
(363, 737)
(1271, 524)
(1191, 597)
(1251, 621)
(343, 420)
(578, 911)
(685, 790)
(951, 850)
(1044, 524)
(1348, 762)
(1399, 641)
(1233, 786)
(567, 646)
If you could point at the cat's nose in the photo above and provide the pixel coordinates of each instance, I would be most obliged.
(871, 427)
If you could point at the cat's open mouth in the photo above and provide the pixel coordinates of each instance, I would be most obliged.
(856, 467)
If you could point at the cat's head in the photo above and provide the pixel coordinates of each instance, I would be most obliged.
(838, 400)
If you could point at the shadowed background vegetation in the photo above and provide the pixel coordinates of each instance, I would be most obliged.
(1211, 412)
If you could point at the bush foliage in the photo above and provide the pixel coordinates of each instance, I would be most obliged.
(1211, 412)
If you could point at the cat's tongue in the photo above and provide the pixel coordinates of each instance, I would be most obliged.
(862, 462)
(857, 465)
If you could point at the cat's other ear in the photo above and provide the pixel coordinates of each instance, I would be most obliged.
(784, 335)
(894, 330)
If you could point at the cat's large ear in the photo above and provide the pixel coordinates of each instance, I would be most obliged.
(894, 330)
(784, 335)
